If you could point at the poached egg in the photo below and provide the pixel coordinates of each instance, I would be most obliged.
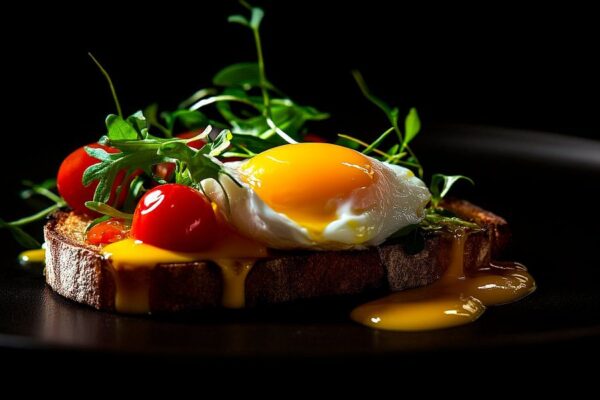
(318, 196)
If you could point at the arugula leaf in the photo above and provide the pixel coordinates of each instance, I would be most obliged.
(144, 151)
(441, 185)
(119, 129)
(193, 166)
(139, 123)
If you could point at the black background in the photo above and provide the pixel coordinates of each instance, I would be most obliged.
(509, 66)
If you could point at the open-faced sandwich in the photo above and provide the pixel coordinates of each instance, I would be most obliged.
(227, 201)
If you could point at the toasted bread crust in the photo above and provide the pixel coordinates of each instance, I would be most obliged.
(77, 270)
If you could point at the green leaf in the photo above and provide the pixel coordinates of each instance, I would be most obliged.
(256, 18)
(151, 113)
(412, 126)
(136, 190)
(98, 153)
(441, 185)
(139, 123)
(189, 120)
(238, 19)
(105, 209)
(22, 237)
(134, 155)
(245, 74)
(119, 129)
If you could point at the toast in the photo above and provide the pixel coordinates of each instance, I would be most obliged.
(78, 271)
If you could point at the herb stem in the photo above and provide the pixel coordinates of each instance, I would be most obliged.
(262, 75)
(110, 83)
(364, 144)
(225, 97)
(39, 215)
(378, 141)
(48, 194)
(418, 163)
(263, 85)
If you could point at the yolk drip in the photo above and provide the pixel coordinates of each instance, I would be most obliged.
(133, 262)
(456, 299)
(307, 181)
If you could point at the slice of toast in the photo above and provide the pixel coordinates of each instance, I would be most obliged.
(76, 270)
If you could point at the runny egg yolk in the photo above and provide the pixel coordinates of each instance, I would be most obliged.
(308, 181)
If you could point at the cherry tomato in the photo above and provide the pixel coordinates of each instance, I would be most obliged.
(175, 217)
(69, 177)
(165, 170)
(107, 232)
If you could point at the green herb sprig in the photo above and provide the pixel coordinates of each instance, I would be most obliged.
(268, 117)
(43, 190)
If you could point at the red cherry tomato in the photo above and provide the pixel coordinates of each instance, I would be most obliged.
(175, 217)
(165, 170)
(69, 177)
(107, 232)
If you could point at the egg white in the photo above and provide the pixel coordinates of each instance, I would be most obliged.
(367, 218)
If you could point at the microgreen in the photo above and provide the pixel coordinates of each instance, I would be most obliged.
(441, 185)
(401, 152)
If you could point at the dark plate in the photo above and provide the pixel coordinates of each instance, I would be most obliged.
(542, 183)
